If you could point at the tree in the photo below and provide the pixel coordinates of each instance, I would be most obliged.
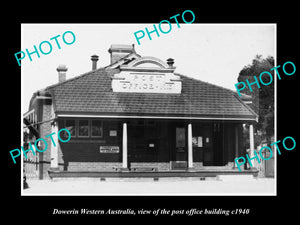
(263, 97)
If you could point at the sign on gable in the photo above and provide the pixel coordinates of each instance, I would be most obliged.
(146, 82)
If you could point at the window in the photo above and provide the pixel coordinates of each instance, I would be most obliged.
(70, 125)
(96, 128)
(83, 128)
(180, 137)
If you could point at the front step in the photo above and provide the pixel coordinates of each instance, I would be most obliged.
(172, 173)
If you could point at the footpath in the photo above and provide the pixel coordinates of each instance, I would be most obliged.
(225, 185)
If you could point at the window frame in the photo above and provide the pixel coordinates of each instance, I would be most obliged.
(90, 123)
(75, 127)
(101, 126)
(88, 126)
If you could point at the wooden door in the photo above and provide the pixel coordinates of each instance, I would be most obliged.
(180, 148)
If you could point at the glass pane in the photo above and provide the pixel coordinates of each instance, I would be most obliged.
(70, 125)
(83, 128)
(180, 137)
(96, 128)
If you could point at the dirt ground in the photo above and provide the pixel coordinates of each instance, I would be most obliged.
(224, 185)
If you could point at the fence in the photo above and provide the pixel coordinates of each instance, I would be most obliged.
(265, 167)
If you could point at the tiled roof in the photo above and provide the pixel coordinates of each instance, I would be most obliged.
(91, 93)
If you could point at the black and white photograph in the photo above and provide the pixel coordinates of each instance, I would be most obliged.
(141, 116)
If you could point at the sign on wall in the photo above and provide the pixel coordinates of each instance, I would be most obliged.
(112, 133)
(109, 149)
(197, 141)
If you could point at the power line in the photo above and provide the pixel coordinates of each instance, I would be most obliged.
(33, 124)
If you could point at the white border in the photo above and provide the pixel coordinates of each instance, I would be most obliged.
(275, 110)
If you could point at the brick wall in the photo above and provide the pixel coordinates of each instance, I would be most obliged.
(198, 165)
(110, 166)
(93, 166)
(45, 129)
(45, 157)
(161, 166)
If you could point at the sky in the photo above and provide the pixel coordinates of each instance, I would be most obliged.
(214, 53)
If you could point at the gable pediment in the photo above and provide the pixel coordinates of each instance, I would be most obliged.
(146, 75)
(149, 62)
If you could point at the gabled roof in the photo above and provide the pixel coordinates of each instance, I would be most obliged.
(91, 94)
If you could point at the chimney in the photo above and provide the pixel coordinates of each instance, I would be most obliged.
(94, 59)
(170, 62)
(119, 51)
(61, 69)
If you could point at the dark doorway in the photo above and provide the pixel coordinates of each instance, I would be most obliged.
(179, 147)
(143, 141)
(218, 144)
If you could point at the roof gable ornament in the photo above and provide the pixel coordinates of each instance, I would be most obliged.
(147, 63)
(147, 75)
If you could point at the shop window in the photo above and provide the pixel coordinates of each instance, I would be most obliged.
(83, 128)
(97, 128)
(70, 125)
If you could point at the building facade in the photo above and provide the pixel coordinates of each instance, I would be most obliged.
(138, 116)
